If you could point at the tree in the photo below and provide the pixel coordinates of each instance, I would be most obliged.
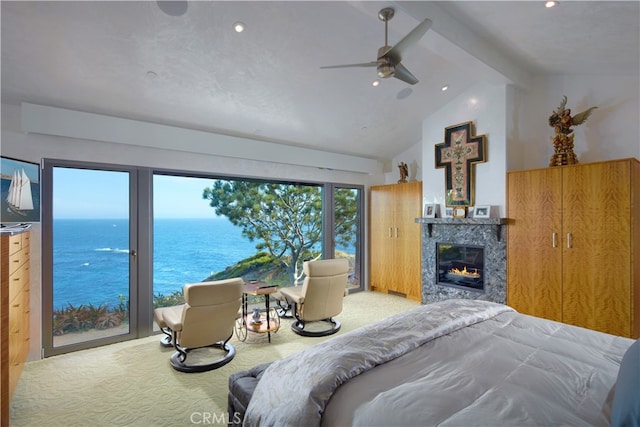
(285, 219)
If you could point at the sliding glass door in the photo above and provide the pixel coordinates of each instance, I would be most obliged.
(89, 242)
(119, 241)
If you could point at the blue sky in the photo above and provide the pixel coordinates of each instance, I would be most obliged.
(104, 194)
(181, 197)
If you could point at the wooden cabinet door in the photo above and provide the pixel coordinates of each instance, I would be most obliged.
(408, 277)
(381, 217)
(534, 263)
(596, 246)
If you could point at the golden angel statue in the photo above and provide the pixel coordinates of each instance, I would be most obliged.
(404, 172)
(561, 120)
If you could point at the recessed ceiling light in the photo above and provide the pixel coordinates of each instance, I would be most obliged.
(550, 4)
(238, 27)
(445, 87)
(375, 83)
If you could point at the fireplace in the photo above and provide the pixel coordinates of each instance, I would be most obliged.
(460, 266)
(451, 244)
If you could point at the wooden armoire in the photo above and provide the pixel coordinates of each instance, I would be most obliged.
(394, 236)
(573, 248)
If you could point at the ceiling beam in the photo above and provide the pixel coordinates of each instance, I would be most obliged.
(457, 43)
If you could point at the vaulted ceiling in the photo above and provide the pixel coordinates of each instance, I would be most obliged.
(182, 64)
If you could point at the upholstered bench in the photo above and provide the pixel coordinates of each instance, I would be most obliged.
(241, 387)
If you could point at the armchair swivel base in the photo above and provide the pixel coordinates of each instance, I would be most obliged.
(299, 328)
(179, 358)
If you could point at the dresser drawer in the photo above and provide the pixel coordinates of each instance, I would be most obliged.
(18, 325)
(18, 279)
(17, 259)
(15, 243)
(16, 317)
(26, 241)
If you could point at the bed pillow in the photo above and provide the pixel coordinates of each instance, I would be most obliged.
(626, 399)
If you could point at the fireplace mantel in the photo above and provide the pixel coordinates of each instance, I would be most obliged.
(463, 221)
(430, 222)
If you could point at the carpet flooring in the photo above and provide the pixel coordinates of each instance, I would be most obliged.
(132, 383)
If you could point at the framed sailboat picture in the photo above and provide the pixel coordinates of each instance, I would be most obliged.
(20, 191)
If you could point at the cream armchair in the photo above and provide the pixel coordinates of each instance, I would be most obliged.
(320, 296)
(205, 320)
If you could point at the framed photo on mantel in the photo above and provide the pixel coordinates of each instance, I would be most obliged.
(459, 211)
(483, 211)
(448, 212)
(431, 211)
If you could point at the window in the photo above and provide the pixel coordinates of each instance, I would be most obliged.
(175, 228)
(210, 229)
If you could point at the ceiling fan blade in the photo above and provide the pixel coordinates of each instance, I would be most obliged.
(396, 52)
(405, 75)
(364, 64)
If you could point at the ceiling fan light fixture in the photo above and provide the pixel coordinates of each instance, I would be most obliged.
(386, 69)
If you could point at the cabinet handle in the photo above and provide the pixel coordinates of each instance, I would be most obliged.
(569, 242)
(554, 240)
(390, 232)
(396, 232)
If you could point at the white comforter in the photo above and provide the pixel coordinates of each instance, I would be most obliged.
(456, 362)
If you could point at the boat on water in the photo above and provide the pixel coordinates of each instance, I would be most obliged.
(19, 198)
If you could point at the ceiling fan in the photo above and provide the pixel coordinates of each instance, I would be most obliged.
(389, 57)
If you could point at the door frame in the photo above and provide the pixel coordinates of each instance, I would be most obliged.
(140, 317)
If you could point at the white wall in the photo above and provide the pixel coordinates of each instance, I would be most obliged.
(485, 106)
(515, 121)
(611, 132)
(412, 157)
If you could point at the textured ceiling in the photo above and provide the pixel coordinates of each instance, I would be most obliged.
(132, 60)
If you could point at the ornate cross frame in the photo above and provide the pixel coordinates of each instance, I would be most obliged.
(458, 154)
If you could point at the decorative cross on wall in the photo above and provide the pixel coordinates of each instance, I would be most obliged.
(457, 154)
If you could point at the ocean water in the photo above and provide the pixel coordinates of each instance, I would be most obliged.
(91, 256)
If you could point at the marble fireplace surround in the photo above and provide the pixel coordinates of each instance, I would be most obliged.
(488, 232)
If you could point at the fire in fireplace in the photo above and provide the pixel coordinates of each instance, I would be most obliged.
(460, 266)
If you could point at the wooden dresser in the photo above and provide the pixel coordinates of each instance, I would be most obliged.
(14, 314)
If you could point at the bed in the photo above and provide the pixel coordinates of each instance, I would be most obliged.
(451, 363)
